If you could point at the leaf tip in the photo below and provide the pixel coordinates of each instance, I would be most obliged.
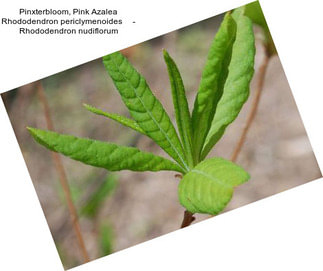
(90, 108)
(31, 130)
(165, 53)
(87, 106)
(34, 132)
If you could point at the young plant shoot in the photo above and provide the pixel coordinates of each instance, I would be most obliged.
(207, 184)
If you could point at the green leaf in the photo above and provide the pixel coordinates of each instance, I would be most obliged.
(93, 204)
(145, 109)
(182, 113)
(236, 88)
(254, 12)
(212, 81)
(121, 119)
(102, 154)
(209, 186)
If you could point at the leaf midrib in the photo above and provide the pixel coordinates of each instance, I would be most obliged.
(211, 177)
(152, 117)
(184, 126)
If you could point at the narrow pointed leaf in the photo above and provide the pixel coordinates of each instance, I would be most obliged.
(145, 109)
(121, 119)
(208, 187)
(102, 154)
(182, 113)
(212, 81)
(236, 88)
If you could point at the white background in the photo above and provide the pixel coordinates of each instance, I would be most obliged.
(283, 232)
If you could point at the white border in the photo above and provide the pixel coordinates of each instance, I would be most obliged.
(25, 59)
(278, 233)
(283, 232)
(26, 242)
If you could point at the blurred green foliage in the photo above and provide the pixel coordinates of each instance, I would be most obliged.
(92, 205)
(254, 12)
(106, 237)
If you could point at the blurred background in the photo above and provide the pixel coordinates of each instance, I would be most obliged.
(122, 209)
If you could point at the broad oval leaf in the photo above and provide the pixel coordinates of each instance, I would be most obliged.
(102, 154)
(121, 119)
(145, 109)
(211, 86)
(236, 88)
(182, 113)
(209, 186)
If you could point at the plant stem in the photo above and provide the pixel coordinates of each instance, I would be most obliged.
(254, 107)
(62, 175)
(187, 219)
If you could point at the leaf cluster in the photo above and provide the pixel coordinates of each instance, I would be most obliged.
(207, 184)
